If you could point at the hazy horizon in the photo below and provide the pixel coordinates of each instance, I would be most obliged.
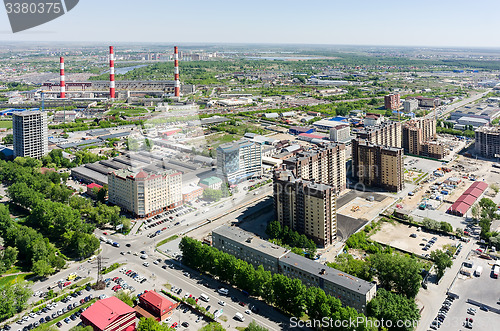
(388, 23)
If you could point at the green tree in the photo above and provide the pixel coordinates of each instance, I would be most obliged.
(102, 194)
(253, 326)
(442, 261)
(9, 256)
(8, 139)
(42, 268)
(13, 299)
(214, 326)
(81, 328)
(126, 297)
(150, 324)
(398, 272)
(212, 195)
(390, 306)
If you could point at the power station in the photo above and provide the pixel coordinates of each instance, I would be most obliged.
(117, 89)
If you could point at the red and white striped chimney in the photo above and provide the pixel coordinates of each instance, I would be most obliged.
(111, 72)
(62, 80)
(177, 83)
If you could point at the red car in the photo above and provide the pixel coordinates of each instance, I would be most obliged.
(174, 325)
(105, 233)
(66, 284)
(117, 287)
(163, 229)
(242, 304)
(115, 278)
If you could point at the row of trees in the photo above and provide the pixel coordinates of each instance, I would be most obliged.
(435, 225)
(287, 294)
(283, 235)
(486, 211)
(13, 299)
(54, 214)
(56, 159)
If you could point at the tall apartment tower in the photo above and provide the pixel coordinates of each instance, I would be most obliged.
(386, 134)
(306, 206)
(488, 141)
(392, 101)
(379, 166)
(417, 136)
(239, 160)
(30, 134)
(325, 164)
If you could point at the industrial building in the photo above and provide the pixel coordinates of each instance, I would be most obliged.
(324, 163)
(392, 101)
(488, 141)
(110, 314)
(145, 194)
(296, 130)
(306, 206)
(30, 134)
(467, 199)
(239, 160)
(387, 133)
(426, 102)
(378, 166)
(350, 290)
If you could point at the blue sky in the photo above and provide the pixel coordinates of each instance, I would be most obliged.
(354, 22)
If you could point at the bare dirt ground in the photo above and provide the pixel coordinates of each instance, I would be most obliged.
(397, 235)
(364, 209)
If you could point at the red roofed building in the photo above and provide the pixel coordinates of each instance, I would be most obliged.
(157, 305)
(467, 199)
(109, 314)
(93, 188)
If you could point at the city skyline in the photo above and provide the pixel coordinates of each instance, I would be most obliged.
(390, 23)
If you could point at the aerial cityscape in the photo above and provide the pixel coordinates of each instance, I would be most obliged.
(157, 181)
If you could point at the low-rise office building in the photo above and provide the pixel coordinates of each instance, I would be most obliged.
(248, 247)
(351, 291)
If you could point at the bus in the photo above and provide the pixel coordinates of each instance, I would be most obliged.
(496, 270)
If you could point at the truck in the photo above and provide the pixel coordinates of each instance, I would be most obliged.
(239, 317)
(479, 271)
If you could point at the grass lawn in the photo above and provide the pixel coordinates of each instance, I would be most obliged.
(9, 280)
(169, 239)
(127, 112)
(6, 124)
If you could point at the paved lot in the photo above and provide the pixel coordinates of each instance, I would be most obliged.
(483, 289)
(398, 235)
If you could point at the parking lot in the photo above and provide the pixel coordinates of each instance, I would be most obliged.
(483, 289)
(398, 235)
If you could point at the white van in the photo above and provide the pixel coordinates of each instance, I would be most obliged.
(144, 256)
(204, 297)
(102, 238)
(223, 291)
(239, 317)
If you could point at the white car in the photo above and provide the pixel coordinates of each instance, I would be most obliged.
(248, 311)
(146, 264)
(187, 295)
(222, 303)
(168, 319)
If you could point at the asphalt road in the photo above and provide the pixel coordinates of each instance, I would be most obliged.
(158, 277)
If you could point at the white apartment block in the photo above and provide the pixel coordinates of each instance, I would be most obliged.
(340, 133)
(145, 194)
(30, 134)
